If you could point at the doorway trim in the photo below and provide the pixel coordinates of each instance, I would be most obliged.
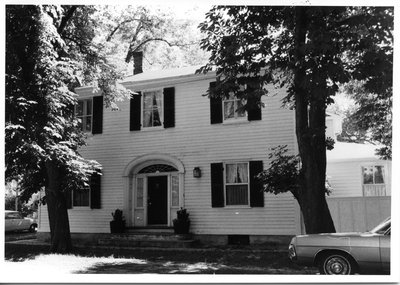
(130, 175)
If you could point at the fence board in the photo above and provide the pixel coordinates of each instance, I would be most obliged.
(358, 214)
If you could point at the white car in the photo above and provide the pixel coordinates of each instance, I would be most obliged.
(15, 222)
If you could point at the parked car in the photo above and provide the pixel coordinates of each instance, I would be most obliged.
(15, 222)
(345, 253)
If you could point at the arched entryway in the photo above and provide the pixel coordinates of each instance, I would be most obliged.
(154, 190)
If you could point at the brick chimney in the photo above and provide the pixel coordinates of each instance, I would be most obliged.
(137, 62)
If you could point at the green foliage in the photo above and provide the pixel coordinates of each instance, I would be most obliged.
(166, 42)
(371, 120)
(283, 173)
(117, 215)
(257, 43)
(40, 121)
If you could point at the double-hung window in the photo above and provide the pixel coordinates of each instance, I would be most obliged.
(152, 108)
(81, 197)
(373, 177)
(84, 112)
(233, 108)
(237, 184)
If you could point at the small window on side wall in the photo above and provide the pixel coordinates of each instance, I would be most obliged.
(84, 112)
(373, 179)
(90, 114)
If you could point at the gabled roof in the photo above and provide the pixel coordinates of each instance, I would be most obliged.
(352, 151)
(164, 75)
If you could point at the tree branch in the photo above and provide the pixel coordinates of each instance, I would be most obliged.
(119, 26)
(66, 18)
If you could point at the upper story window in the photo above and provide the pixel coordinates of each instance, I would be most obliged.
(233, 108)
(84, 112)
(237, 184)
(152, 108)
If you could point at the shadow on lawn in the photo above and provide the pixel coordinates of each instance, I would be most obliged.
(139, 261)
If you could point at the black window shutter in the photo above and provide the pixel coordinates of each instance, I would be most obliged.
(97, 115)
(215, 107)
(217, 185)
(68, 199)
(95, 191)
(256, 189)
(169, 107)
(254, 109)
(135, 115)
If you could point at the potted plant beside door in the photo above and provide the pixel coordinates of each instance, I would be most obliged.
(117, 225)
(182, 222)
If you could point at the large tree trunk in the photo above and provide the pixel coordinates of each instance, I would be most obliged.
(310, 132)
(57, 210)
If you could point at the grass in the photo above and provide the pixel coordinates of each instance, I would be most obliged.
(111, 261)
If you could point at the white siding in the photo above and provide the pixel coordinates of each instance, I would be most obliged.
(345, 176)
(196, 143)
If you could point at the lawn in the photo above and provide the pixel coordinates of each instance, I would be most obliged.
(138, 261)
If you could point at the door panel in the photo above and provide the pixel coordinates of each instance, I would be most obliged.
(157, 200)
(385, 252)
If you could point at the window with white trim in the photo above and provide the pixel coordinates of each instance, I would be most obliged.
(152, 108)
(84, 112)
(373, 174)
(373, 177)
(233, 108)
(237, 184)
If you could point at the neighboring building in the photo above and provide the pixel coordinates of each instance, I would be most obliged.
(170, 147)
(361, 183)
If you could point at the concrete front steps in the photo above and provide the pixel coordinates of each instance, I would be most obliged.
(148, 237)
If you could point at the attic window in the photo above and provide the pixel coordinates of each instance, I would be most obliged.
(158, 168)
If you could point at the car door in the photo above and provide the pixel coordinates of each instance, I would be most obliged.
(384, 245)
(20, 223)
(9, 225)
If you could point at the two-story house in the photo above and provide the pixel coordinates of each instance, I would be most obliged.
(170, 146)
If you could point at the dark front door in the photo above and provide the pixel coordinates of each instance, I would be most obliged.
(157, 200)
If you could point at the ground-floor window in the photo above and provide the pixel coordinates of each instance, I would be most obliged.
(81, 198)
(237, 184)
(373, 177)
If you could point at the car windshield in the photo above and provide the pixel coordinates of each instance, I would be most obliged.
(382, 227)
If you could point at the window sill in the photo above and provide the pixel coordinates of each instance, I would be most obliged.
(81, 208)
(236, 122)
(232, 207)
(152, 129)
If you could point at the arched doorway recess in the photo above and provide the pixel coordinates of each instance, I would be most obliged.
(154, 190)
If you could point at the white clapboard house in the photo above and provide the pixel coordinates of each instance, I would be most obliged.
(171, 147)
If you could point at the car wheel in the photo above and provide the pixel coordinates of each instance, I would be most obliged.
(32, 228)
(336, 264)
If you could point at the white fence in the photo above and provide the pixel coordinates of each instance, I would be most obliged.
(358, 214)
